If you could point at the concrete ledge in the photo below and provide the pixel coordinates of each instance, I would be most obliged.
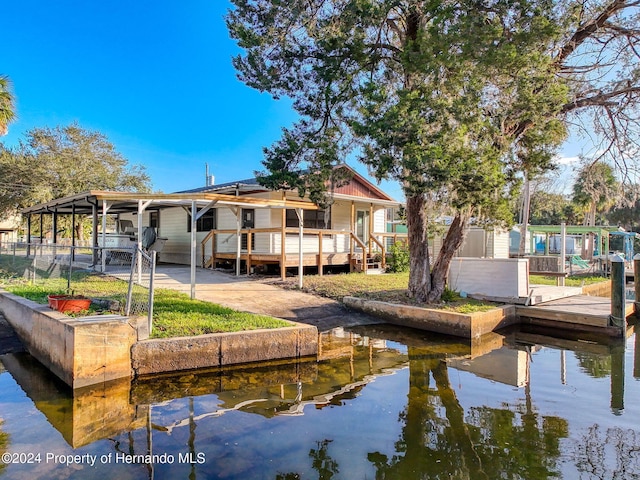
(80, 351)
(221, 349)
(469, 326)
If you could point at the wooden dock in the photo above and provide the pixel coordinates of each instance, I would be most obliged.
(575, 312)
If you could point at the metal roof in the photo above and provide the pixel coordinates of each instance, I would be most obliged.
(121, 202)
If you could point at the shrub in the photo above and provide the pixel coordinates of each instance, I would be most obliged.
(398, 258)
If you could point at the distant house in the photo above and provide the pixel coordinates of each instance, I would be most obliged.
(9, 230)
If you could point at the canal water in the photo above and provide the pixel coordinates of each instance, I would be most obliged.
(380, 403)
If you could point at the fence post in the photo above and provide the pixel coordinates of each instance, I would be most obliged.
(153, 274)
(618, 311)
(134, 259)
(71, 252)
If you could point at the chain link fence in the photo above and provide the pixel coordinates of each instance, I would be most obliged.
(119, 280)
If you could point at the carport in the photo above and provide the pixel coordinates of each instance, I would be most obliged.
(94, 203)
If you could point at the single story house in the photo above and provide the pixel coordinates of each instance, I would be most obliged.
(346, 233)
(9, 230)
(243, 224)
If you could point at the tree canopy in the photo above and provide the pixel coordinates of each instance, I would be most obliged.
(7, 104)
(453, 99)
(61, 161)
(596, 190)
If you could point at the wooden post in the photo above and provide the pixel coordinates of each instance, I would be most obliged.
(320, 254)
(213, 251)
(300, 213)
(238, 212)
(532, 242)
(636, 280)
(193, 240)
(94, 234)
(546, 244)
(249, 248)
(105, 209)
(617, 378)
(563, 251)
(283, 245)
(351, 243)
(636, 355)
(370, 227)
(618, 311)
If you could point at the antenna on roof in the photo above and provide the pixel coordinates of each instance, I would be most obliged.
(208, 179)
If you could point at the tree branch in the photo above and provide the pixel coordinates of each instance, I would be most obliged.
(588, 29)
(601, 99)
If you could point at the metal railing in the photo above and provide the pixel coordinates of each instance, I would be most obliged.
(116, 279)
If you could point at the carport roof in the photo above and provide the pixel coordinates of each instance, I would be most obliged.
(121, 202)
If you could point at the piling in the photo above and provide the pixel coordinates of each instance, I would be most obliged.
(636, 280)
(618, 315)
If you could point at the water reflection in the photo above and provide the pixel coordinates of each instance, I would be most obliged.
(381, 402)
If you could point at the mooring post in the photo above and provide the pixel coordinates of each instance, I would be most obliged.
(636, 281)
(617, 379)
(618, 311)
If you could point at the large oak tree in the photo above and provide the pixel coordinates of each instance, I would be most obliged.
(454, 99)
(56, 162)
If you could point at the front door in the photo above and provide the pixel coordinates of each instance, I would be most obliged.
(362, 225)
(248, 221)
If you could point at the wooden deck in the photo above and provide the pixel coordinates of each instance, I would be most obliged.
(574, 312)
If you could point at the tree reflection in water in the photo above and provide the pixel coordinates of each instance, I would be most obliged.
(439, 442)
(610, 454)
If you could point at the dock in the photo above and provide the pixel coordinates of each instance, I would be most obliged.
(582, 312)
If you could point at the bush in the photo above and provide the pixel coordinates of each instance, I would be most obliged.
(398, 258)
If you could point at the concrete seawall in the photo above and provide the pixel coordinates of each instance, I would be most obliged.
(222, 349)
(80, 351)
(472, 325)
(85, 351)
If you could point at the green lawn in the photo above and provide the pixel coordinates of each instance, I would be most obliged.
(174, 314)
(389, 287)
(576, 281)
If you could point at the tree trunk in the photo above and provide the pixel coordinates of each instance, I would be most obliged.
(452, 242)
(525, 217)
(419, 262)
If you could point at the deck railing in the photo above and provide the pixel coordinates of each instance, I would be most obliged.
(276, 246)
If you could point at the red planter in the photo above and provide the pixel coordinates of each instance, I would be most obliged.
(69, 303)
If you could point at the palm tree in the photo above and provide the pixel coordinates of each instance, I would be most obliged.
(7, 105)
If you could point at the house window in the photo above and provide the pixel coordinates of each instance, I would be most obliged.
(320, 219)
(205, 223)
(154, 219)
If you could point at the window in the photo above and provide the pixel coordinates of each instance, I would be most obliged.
(154, 219)
(205, 223)
(320, 219)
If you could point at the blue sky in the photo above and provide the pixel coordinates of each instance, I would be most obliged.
(154, 76)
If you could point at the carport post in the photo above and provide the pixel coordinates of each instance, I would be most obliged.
(194, 225)
(238, 211)
(103, 253)
(563, 251)
(300, 213)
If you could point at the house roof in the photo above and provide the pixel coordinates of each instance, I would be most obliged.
(121, 202)
(240, 184)
(359, 187)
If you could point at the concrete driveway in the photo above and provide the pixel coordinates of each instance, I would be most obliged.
(249, 294)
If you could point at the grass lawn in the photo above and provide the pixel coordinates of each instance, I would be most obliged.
(174, 314)
(389, 287)
(576, 281)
